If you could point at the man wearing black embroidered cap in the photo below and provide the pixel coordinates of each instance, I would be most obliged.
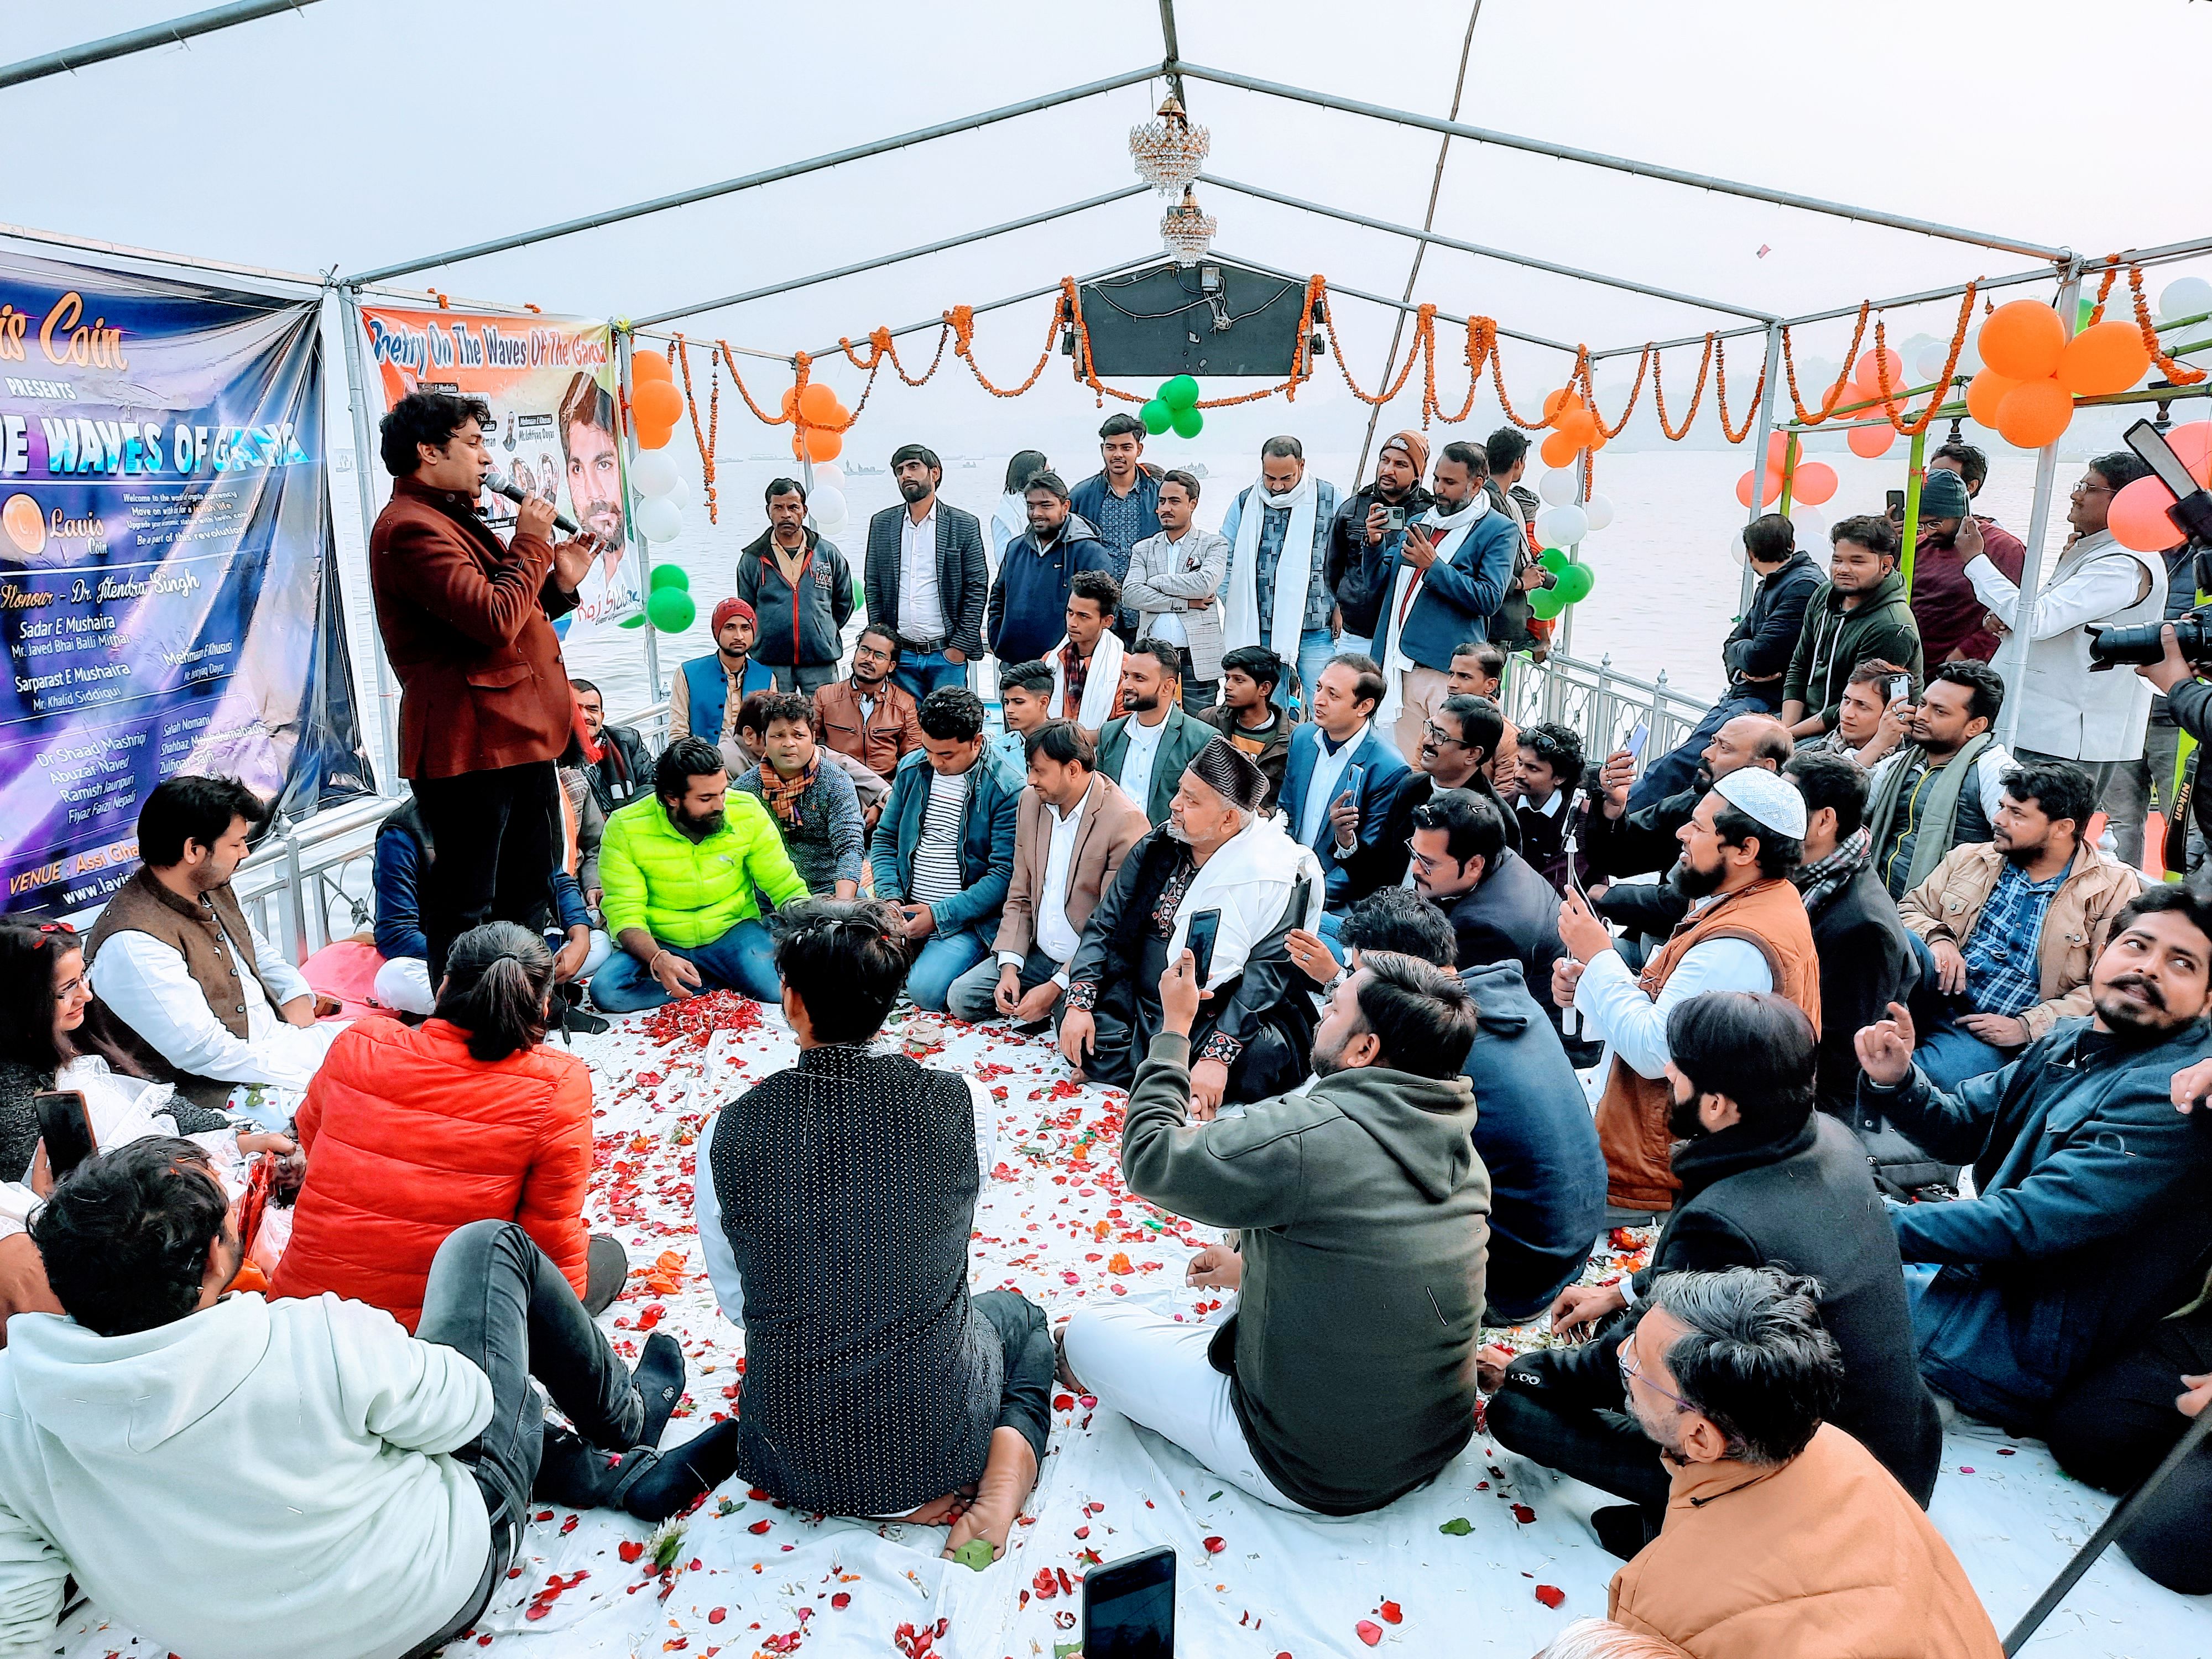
(1215, 857)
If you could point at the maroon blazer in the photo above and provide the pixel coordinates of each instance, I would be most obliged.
(465, 626)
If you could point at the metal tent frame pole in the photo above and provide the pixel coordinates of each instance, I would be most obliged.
(2013, 656)
(1433, 238)
(881, 260)
(1622, 164)
(175, 31)
(753, 181)
(364, 442)
(624, 345)
(1389, 304)
(938, 321)
(1758, 449)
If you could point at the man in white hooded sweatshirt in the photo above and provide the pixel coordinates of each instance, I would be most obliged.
(233, 1476)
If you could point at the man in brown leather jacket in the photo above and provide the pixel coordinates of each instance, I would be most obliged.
(485, 708)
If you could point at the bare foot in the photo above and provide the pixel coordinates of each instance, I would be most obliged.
(1008, 1477)
(938, 1513)
(1067, 1378)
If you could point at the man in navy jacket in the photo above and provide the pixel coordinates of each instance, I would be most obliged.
(1442, 583)
(1342, 776)
(2090, 1224)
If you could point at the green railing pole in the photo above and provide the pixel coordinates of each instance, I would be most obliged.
(1918, 471)
(1788, 473)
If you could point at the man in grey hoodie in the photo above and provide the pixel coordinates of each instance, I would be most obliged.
(1345, 1378)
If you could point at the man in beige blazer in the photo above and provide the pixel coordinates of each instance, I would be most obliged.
(1075, 827)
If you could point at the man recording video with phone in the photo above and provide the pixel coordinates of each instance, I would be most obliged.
(484, 699)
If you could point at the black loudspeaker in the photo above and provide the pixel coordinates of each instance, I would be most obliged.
(1209, 318)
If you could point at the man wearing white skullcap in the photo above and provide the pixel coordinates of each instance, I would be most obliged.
(1746, 931)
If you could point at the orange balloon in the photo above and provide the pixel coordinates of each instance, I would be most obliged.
(790, 401)
(658, 402)
(823, 445)
(1772, 494)
(2023, 340)
(2138, 517)
(1813, 483)
(1872, 440)
(652, 435)
(1563, 402)
(2192, 445)
(1597, 438)
(649, 366)
(1985, 393)
(2106, 358)
(816, 403)
(2035, 413)
(1868, 371)
(1578, 424)
(1558, 449)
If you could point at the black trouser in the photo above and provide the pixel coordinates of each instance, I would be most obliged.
(1026, 1394)
(1567, 1409)
(2116, 1424)
(493, 1296)
(495, 839)
(1198, 695)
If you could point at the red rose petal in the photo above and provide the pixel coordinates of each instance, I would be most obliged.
(1523, 1514)
(841, 1600)
(716, 1615)
(1215, 1545)
(629, 1549)
(1369, 1632)
(537, 1610)
(1393, 1613)
(1550, 1595)
(759, 1526)
(1063, 1402)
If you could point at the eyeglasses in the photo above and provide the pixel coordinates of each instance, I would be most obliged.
(1631, 1374)
(1422, 861)
(1436, 736)
(2085, 488)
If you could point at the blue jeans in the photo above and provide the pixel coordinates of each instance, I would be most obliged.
(1949, 1053)
(1316, 646)
(944, 958)
(921, 675)
(743, 960)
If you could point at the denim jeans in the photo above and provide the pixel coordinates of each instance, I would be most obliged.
(493, 1296)
(944, 958)
(974, 996)
(743, 960)
(920, 675)
(1316, 646)
(1949, 1053)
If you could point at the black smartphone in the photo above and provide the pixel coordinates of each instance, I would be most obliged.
(65, 1128)
(1896, 503)
(1198, 938)
(1128, 1606)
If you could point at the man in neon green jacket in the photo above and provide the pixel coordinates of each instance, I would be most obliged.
(681, 876)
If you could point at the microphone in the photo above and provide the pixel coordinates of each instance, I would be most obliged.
(499, 484)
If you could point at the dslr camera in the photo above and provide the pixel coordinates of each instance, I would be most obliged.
(2114, 648)
(2191, 518)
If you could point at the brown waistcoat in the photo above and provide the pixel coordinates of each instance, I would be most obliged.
(1631, 1116)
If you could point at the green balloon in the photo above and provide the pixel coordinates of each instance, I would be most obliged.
(1156, 417)
(2083, 310)
(1555, 561)
(671, 609)
(1575, 584)
(671, 575)
(859, 593)
(1546, 603)
(1188, 423)
(638, 621)
(1181, 392)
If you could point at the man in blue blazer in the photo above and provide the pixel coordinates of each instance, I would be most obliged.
(926, 577)
(1444, 583)
(1342, 776)
(944, 852)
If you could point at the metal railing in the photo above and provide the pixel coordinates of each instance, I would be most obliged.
(1602, 703)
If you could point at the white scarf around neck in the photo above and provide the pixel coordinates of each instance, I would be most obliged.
(1248, 880)
(1454, 526)
(1099, 688)
(1240, 621)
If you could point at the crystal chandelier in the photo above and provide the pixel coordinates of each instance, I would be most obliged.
(1168, 150)
(1186, 231)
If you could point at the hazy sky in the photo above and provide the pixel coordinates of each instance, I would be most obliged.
(362, 131)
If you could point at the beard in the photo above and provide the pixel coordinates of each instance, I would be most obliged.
(1144, 702)
(1683, 1122)
(702, 829)
(913, 489)
(1692, 883)
(2132, 1019)
(1327, 1063)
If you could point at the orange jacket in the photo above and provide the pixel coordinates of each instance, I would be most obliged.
(407, 1137)
(1827, 1555)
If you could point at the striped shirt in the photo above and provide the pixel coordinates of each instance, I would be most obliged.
(937, 855)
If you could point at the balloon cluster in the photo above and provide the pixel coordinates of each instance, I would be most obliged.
(1174, 407)
(825, 501)
(657, 511)
(655, 404)
(816, 411)
(2138, 517)
(2032, 373)
(1811, 483)
(1565, 521)
(669, 604)
(1575, 428)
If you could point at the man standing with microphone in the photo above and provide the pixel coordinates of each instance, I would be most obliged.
(484, 707)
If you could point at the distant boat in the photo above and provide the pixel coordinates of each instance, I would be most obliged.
(863, 471)
(1197, 470)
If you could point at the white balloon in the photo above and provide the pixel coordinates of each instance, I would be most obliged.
(1929, 362)
(660, 520)
(2184, 296)
(1562, 526)
(834, 529)
(653, 474)
(677, 494)
(1736, 545)
(827, 475)
(1560, 488)
(826, 504)
(1811, 527)
(1599, 511)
